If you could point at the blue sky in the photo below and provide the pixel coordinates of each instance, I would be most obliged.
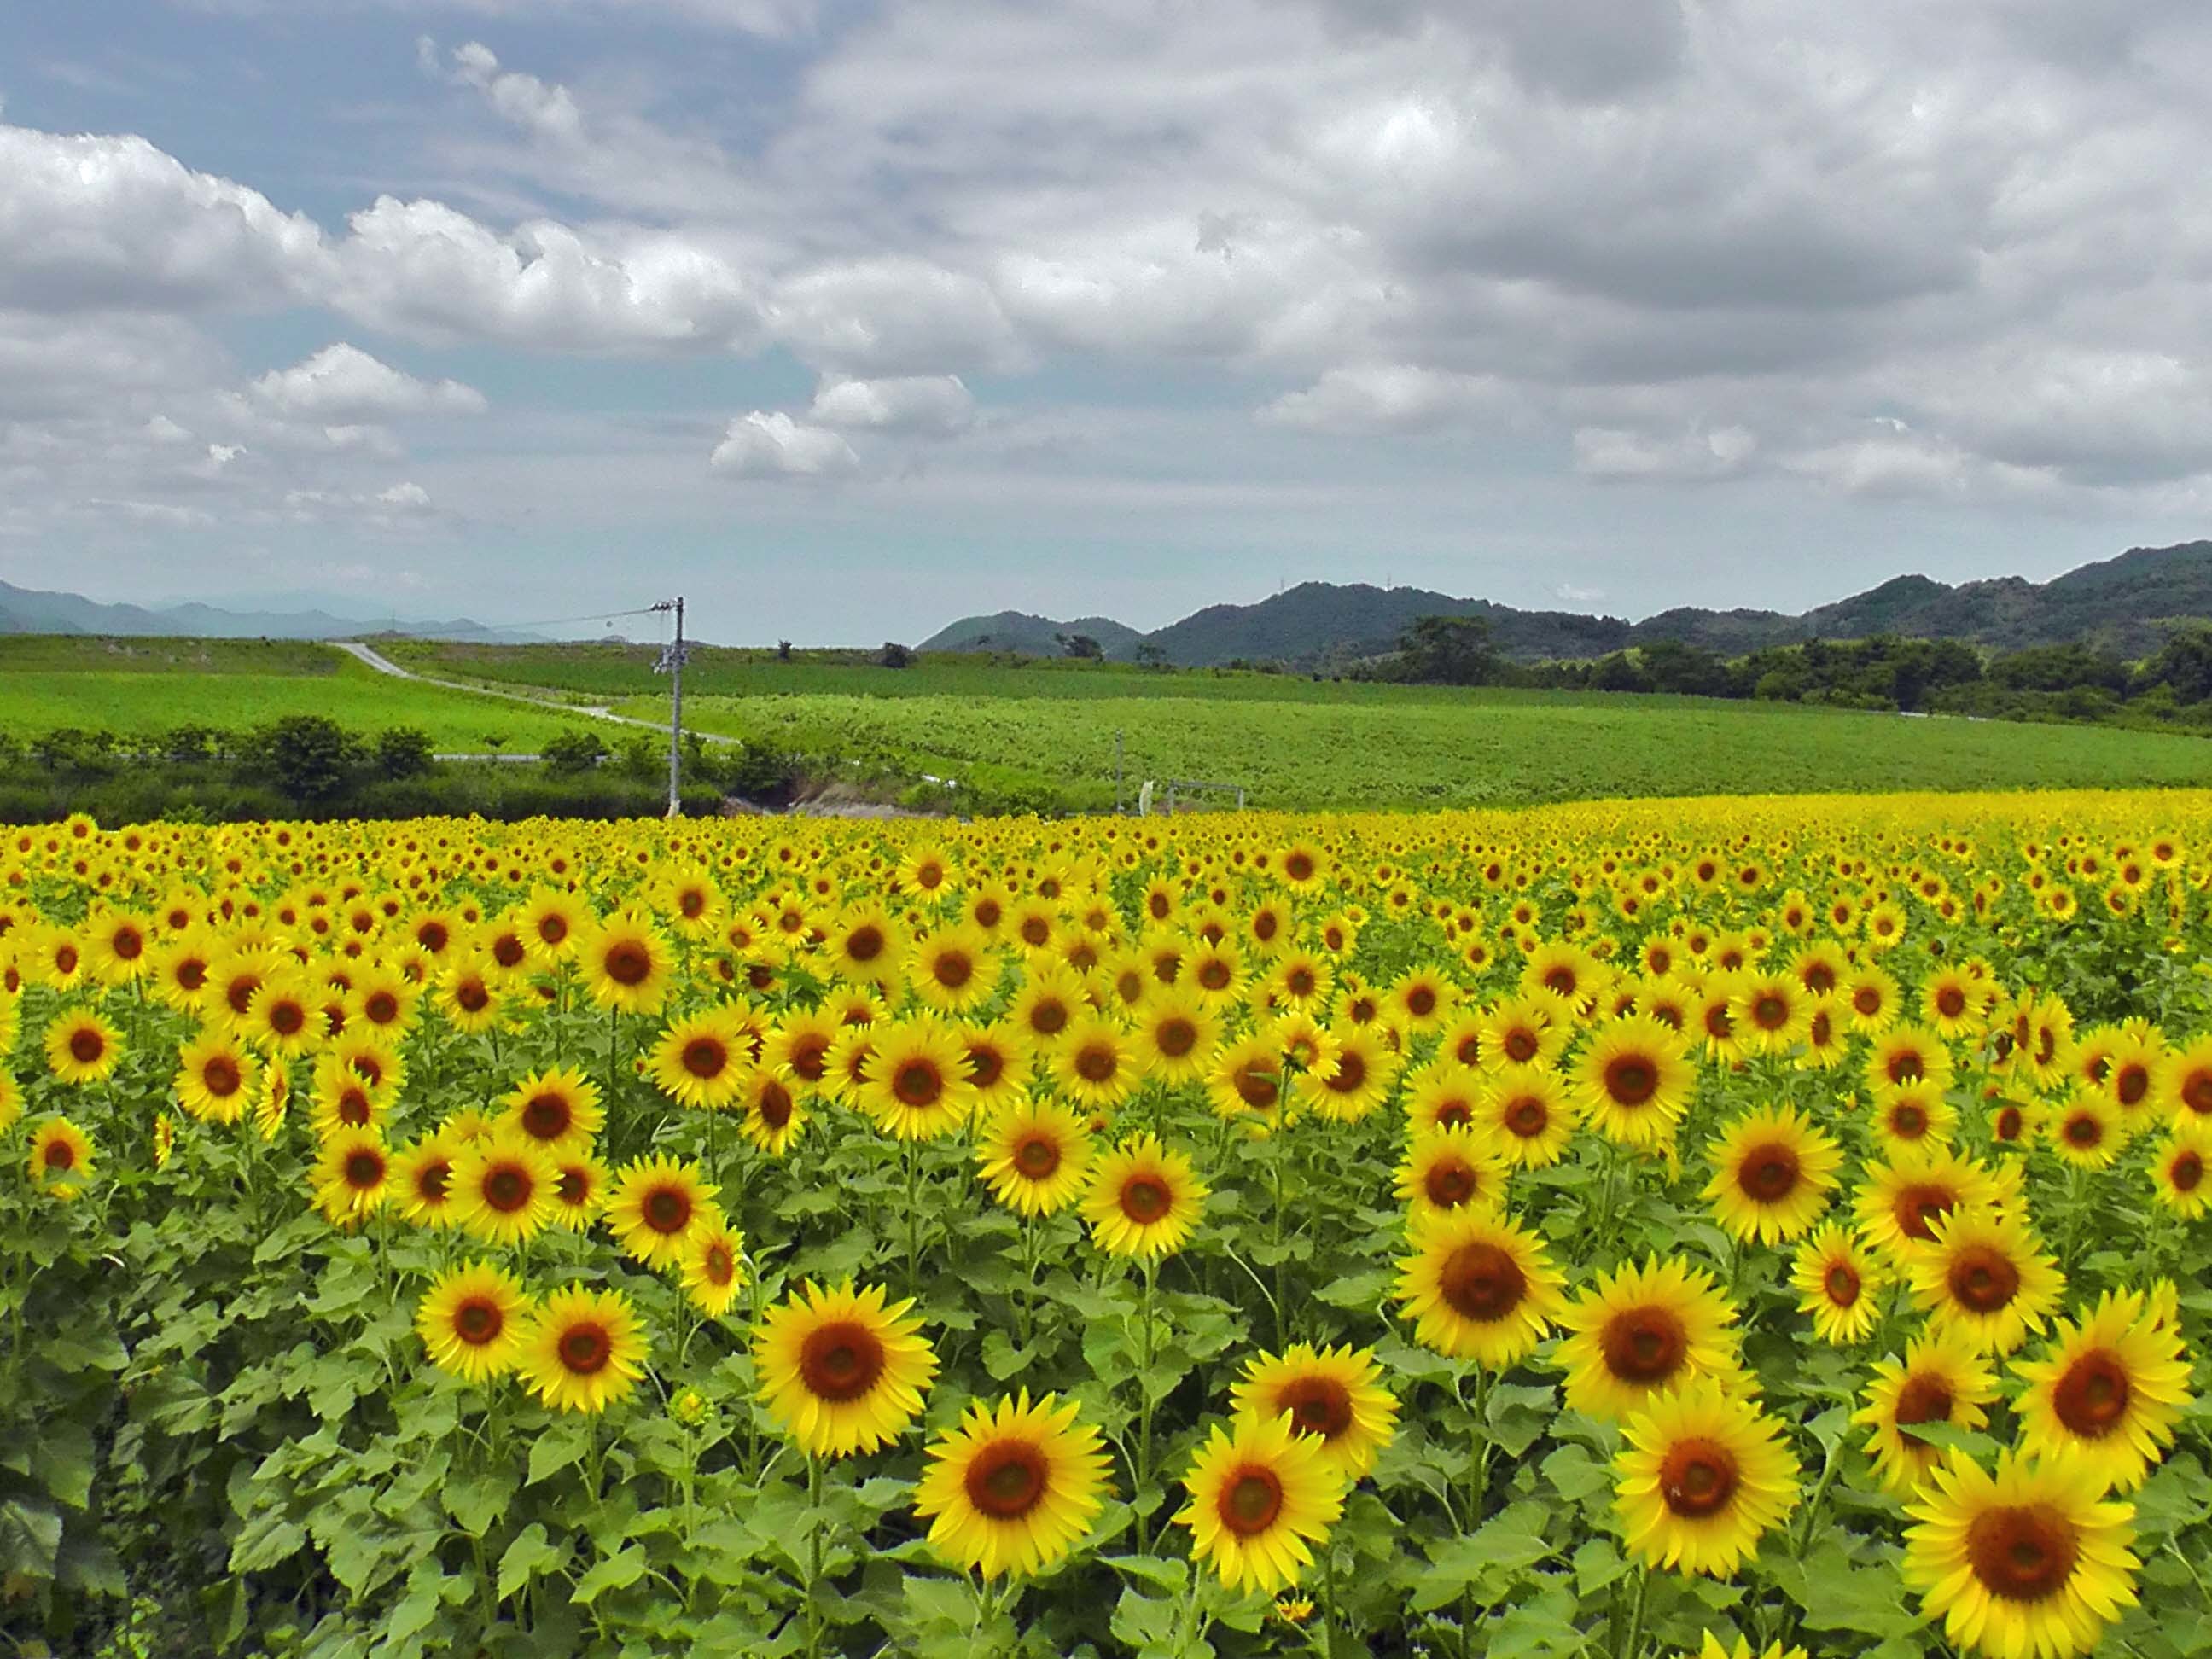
(844, 319)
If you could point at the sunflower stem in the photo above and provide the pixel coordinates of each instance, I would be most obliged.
(813, 1556)
(1143, 1471)
(1635, 1615)
(914, 1216)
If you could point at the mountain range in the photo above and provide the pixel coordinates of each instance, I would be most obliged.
(2126, 606)
(32, 610)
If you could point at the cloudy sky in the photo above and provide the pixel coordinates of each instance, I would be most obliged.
(844, 317)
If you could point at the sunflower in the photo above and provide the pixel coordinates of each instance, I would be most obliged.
(1334, 1395)
(181, 969)
(1644, 1332)
(116, 946)
(552, 923)
(1477, 1287)
(558, 1108)
(352, 1176)
(1035, 1157)
(2086, 1130)
(1446, 1169)
(580, 1188)
(1701, 1475)
(383, 1001)
(1908, 1053)
(1526, 1030)
(422, 1176)
(770, 1115)
(343, 1099)
(2181, 1083)
(915, 1084)
(582, 1351)
(699, 1059)
(81, 1046)
(504, 1188)
(1248, 1078)
(1048, 1003)
(998, 1064)
(626, 964)
(282, 1017)
(952, 969)
(471, 1321)
(1634, 1082)
(1013, 1487)
(1825, 1043)
(1096, 1063)
(1874, 1000)
(1420, 999)
(1985, 1274)
(656, 1206)
(1771, 1012)
(840, 1372)
(1898, 1203)
(61, 1157)
(1525, 1107)
(1360, 1078)
(713, 1267)
(1176, 1036)
(1144, 1201)
(2177, 1168)
(1260, 1495)
(1942, 1379)
(216, 1078)
(1910, 1115)
(2031, 1561)
(1772, 1173)
(799, 1047)
(1840, 1284)
(2109, 1389)
(1713, 1648)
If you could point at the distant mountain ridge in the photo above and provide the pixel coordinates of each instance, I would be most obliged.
(32, 611)
(2127, 605)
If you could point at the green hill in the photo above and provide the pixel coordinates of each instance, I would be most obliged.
(2127, 605)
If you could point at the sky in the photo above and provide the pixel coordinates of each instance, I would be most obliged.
(845, 317)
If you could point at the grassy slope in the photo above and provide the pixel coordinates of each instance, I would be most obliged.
(148, 685)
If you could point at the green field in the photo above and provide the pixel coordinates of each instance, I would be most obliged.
(134, 687)
(1451, 750)
(1041, 734)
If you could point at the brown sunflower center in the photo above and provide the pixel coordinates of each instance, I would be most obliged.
(1923, 1399)
(1645, 1345)
(1698, 1477)
(2196, 1091)
(1257, 1086)
(1521, 1045)
(1318, 1405)
(1481, 1282)
(1631, 1079)
(86, 1045)
(1950, 1002)
(1917, 1208)
(1037, 1157)
(628, 963)
(1145, 1199)
(220, 1076)
(477, 1321)
(1841, 1284)
(1768, 1173)
(1096, 1062)
(1982, 1278)
(774, 1104)
(1176, 1037)
(918, 1083)
(1450, 1182)
(666, 1209)
(381, 1008)
(363, 1169)
(1007, 1478)
(706, 1057)
(840, 1360)
(1769, 1011)
(1908, 1119)
(2091, 1397)
(60, 1155)
(2085, 1130)
(547, 1116)
(2186, 1172)
(952, 969)
(2023, 1554)
(1048, 1017)
(1250, 1500)
(432, 1181)
(506, 1188)
(585, 1348)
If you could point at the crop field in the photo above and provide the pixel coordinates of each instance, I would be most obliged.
(135, 687)
(1675, 1227)
(1444, 750)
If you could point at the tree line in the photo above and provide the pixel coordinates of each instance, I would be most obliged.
(1883, 671)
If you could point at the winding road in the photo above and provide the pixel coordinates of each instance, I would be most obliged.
(384, 664)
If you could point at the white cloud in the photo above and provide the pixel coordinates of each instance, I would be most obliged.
(1611, 453)
(344, 386)
(762, 445)
(1383, 398)
(891, 316)
(927, 405)
(91, 222)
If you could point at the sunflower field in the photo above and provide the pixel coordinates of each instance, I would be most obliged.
(1746, 1226)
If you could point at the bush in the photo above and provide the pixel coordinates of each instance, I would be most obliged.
(401, 752)
(573, 751)
(893, 655)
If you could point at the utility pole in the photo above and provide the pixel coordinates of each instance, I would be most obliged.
(671, 664)
(1117, 773)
